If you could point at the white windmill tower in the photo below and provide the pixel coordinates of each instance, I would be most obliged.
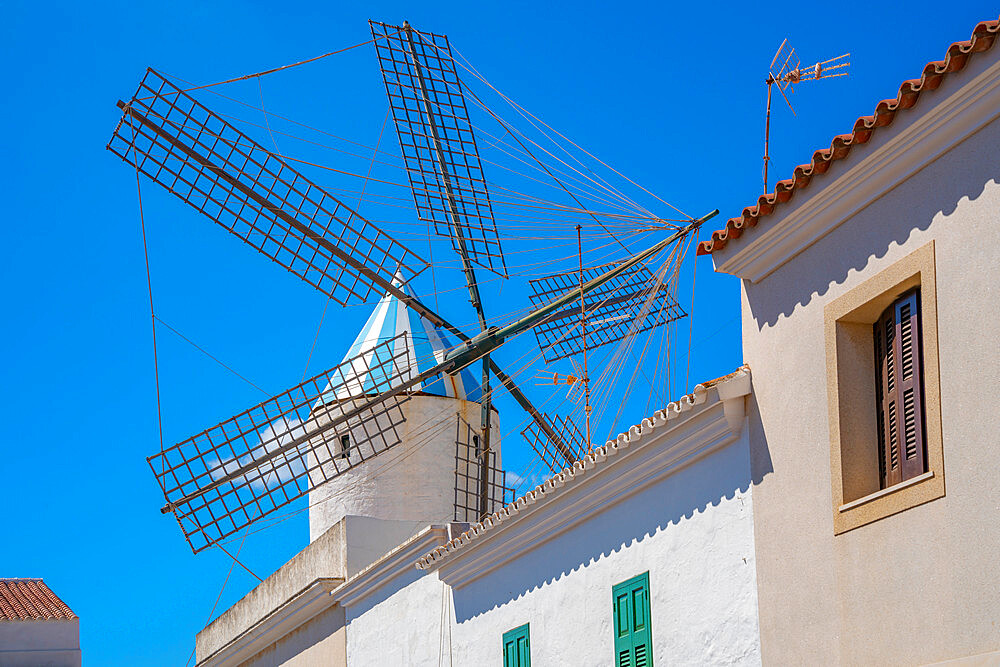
(392, 431)
(433, 474)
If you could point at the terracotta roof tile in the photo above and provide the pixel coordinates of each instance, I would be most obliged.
(31, 600)
(955, 59)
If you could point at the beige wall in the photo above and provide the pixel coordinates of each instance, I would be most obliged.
(320, 642)
(922, 585)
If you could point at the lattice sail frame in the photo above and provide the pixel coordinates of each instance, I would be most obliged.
(253, 193)
(613, 310)
(458, 170)
(468, 471)
(283, 448)
(570, 434)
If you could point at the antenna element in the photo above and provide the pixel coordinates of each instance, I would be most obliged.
(787, 75)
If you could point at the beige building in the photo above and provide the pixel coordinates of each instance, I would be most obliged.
(870, 291)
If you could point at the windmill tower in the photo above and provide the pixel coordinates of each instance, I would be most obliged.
(432, 475)
(392, 431)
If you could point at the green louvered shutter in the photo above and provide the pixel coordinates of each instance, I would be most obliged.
(516, 650)
(633, 635)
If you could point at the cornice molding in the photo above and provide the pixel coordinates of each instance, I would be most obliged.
(298, 610)
(391, 566)
(712, 425)
(925, 139)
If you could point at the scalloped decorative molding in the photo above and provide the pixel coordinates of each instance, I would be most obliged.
(647, 454)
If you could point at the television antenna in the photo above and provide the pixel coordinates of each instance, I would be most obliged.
(790, 72)
(235, 473)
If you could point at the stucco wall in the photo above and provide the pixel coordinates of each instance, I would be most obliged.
(403, 625)
(40, 643)
(412, 481)
(287, 614)
(918, 586)
(692, 531)
(320, 642)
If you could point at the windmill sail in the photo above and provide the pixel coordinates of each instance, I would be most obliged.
(206, 162)
(570, 437)
(264, 458)
(437, 141)
(616, 309)
(480, 483)
(259, 461)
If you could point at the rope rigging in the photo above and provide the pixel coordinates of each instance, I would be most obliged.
(537, 229)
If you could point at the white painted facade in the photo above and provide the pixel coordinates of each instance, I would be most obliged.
(38, 643)
(673, 499)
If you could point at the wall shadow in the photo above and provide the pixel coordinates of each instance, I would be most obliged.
(963, 173)
(669, 502)
(760, 455)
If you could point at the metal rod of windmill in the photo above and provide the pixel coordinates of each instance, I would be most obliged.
(583, 331)
(473, 350)
(470, 274)
(349, 260)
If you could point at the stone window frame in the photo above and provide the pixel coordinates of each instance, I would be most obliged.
(848, 320)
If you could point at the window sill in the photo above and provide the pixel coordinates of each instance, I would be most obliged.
(884, 492)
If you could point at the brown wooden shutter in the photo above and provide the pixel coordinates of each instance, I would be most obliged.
(899, 390)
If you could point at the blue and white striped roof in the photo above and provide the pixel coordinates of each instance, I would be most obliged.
(428, 346)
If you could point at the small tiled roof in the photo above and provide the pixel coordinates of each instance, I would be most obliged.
(574, 473)
(31, 600)
(955, 59)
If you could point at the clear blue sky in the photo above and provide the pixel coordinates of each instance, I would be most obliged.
(672, 96)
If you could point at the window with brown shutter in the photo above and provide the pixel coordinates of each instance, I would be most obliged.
(889, 459)
(899, 391)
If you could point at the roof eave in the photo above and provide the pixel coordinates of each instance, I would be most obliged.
(956, 58)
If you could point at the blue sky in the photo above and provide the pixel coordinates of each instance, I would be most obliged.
(670, 94)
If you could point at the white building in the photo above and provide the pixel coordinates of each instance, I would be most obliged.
(37, 629)
(391, 579)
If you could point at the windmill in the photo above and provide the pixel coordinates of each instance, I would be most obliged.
(790, 72)
(230, 475)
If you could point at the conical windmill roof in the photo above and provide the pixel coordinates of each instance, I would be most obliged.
(427, 347)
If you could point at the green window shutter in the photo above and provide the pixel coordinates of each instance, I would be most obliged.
(633, 634)
(516, 648)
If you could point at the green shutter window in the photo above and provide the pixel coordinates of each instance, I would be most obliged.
(516, 649)
(633, 636)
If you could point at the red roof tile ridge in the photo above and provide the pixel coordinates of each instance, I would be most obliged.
(956, 57)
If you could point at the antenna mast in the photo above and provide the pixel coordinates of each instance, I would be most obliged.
(583, 328)
(788, 75)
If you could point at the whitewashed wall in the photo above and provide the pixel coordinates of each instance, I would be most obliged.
(692, 530)
(412, 481)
